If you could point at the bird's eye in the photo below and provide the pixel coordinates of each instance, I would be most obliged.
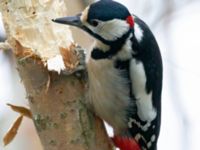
(94, 23)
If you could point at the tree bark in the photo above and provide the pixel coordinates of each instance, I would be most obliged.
(47, 61)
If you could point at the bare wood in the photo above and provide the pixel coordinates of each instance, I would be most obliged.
(57, 101)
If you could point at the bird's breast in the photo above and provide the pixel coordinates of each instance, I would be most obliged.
(108, 92)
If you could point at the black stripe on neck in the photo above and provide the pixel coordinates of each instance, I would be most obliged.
(115, 46)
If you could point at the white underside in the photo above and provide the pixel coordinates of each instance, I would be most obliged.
(108, 92)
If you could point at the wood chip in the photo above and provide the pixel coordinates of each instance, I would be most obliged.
(22, 110)
(12, 131)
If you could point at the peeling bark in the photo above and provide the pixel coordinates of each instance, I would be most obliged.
(57, 101)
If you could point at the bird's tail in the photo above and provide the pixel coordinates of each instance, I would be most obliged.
(125, 143)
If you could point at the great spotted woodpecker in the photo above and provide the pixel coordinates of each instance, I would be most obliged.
(125, 73)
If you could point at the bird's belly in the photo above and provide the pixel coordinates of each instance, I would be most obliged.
(108, 92)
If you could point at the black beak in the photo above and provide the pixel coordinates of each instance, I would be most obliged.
(71, 20)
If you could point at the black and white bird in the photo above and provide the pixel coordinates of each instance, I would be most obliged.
(125, 73)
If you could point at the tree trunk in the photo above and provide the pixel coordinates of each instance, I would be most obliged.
(47, 61)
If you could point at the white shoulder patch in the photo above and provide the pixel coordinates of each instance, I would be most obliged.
(138, 32)
(146, 111)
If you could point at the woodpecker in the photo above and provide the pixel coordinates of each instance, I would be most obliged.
(125, 73)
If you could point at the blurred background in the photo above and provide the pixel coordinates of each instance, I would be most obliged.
(176, 25)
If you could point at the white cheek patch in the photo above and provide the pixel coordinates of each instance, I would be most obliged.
(146, 111)
(110, 30)
(138, 32)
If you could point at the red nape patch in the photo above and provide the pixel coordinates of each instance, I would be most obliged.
(125, 143)
(130, 21)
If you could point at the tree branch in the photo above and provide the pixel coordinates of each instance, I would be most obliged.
(57, 101)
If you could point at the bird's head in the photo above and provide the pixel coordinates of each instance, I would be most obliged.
(105, 20)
